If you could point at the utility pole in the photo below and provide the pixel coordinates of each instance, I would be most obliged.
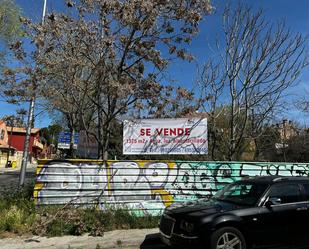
(29, 126)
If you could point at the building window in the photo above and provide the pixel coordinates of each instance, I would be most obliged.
(1, 134)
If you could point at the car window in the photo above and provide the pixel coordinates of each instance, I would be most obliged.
(288, 193)
(242, 193)
(236, 190)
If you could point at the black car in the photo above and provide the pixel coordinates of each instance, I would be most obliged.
(259, 212)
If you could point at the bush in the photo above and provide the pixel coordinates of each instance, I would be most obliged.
(58, 221)
(20, 215)
(17, 210)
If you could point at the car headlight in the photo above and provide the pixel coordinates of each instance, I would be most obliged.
(186, 226)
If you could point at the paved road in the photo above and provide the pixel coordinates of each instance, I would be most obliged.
(9, 178)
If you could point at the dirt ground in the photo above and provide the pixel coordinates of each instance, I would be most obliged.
(118, 239)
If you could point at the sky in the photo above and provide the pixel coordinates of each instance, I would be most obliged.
(295, 14)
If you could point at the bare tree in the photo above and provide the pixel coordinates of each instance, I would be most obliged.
(110, 53)
(303, 103)
(212, 89)
(257, 62)
(10, 26)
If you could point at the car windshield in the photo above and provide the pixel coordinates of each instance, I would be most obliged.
(241, 193)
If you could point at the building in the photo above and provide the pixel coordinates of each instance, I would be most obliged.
(17, 136)
(287, 129)
(49, 150)
(7, 151)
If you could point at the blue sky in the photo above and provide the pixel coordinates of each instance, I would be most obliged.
(295, 13)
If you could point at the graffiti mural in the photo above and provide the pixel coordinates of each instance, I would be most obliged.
(145, 187)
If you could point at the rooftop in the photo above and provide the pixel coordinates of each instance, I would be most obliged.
(7, 147)
(22, 130)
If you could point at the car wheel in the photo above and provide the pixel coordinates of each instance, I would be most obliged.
(227, 238)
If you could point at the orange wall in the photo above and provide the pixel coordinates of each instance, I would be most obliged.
(4, 140)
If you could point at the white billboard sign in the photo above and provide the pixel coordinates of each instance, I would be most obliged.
(165, 136)
(66, 146)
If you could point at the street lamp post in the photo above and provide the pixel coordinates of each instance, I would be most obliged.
(29, 126)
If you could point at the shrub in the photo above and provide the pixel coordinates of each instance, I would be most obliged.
(69, 220)
(17, 210)
(19, 215)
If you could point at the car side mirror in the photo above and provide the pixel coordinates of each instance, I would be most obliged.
(272, 201)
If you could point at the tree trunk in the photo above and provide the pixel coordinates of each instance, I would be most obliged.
(72, 151)
(232, 133)
(100, 137)
(106, 136)
(257, 150)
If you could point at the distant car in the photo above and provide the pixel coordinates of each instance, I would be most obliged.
(259, 212)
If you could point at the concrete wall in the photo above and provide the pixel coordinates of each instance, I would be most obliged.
(146, 187)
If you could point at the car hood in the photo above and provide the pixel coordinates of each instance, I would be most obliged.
(206, 207)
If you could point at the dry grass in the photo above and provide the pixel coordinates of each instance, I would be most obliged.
(19, 215)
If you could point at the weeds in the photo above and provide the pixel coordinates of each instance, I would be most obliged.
(17, 210)
(19, 215)
(119, 243)
(75, 221)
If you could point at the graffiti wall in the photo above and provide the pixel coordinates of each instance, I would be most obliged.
(145, 187)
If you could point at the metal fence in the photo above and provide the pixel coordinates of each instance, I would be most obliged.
(145, 187)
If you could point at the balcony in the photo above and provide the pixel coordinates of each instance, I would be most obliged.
(37, 144)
